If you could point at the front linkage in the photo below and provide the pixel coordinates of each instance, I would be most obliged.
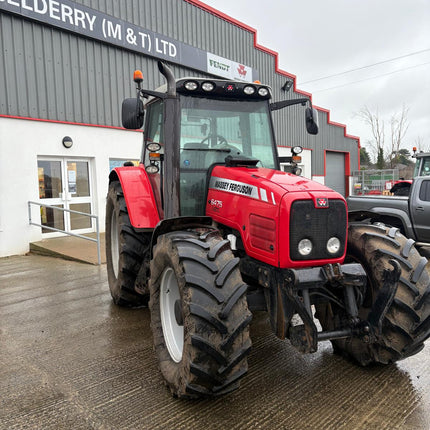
(288, 292)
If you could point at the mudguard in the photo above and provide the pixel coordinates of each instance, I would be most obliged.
(139, 196)
(378, 214)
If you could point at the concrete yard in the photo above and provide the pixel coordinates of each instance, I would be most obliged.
(70, 359)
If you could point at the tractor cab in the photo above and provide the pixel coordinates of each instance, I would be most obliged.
(234, 125)
(422, 165)
(197, 124)
(402, 187)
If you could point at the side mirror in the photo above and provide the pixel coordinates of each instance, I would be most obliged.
(311, 120)
(132, 113)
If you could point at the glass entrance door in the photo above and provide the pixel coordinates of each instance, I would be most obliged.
(65, 183)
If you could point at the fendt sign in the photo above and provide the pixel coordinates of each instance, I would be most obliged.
(85, 21)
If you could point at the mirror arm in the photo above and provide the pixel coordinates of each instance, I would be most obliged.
(285, 103)
(146, 93)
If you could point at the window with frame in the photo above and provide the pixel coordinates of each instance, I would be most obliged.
(425, 191)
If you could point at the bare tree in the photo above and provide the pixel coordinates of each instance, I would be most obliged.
(399, 127)
(378, 131)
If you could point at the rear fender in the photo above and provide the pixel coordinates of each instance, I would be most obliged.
(139, 196)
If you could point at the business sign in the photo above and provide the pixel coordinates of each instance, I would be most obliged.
(68, 15)
(228, 69)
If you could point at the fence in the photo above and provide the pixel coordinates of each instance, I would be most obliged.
(373, 181)
(68, 232)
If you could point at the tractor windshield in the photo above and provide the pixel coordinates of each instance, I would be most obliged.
(212, 129)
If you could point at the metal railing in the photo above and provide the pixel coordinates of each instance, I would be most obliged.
(68, 232)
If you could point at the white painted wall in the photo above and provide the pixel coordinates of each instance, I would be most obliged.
(319, 179)
(22, 141)
(306, 163)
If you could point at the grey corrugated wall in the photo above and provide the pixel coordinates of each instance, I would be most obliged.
(51, 74)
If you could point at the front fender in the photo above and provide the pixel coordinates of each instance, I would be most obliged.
(138, 195)
(381, 214)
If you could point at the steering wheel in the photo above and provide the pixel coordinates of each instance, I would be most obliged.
(218, 137)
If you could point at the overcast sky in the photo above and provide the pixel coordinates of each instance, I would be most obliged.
(319, 38)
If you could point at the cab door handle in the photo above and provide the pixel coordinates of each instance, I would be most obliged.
(419, 208)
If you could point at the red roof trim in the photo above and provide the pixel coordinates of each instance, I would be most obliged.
(240, 24)
(65, 122)
(338, 124)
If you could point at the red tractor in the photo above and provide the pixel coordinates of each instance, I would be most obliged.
(207, 229)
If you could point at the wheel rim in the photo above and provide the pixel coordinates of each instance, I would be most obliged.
(114, 244)
(172, 331)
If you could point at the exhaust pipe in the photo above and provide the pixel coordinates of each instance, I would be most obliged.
(166, 71)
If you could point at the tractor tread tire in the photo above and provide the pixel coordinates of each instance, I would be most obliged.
(132, 249)
(216, 318)
(405, 325)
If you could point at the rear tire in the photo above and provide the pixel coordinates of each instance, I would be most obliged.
(199, 314)
(125, 251)
(406, 324)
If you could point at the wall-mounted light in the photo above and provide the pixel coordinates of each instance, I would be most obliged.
(67, 142)
(286, 87)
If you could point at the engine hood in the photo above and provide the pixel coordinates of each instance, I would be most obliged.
(290, 182)
(275, 180)
(257, 203)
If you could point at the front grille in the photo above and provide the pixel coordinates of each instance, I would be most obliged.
(317, 225)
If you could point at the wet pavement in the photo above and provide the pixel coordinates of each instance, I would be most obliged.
(70, 359)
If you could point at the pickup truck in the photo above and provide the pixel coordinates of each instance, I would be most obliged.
(410, 214)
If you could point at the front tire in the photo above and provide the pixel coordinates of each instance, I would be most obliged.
(406, 324)
(199, 314)
(126, 251)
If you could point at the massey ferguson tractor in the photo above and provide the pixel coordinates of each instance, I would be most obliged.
(208, 229)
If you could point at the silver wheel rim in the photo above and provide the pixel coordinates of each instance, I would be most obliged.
(114, 244)
(172, 331)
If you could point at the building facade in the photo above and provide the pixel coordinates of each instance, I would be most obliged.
(67, 65)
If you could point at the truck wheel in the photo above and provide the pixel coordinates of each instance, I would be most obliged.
(125, 251)
(199, 314)
(406, 324)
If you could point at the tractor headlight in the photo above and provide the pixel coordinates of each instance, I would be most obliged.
(191, 85)
(249, 90)
(263, 92)
(304, 247)
(297, 171)
(208, 86)
(152, 168)
(296, 150)
(153, 147)
(333, 245)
